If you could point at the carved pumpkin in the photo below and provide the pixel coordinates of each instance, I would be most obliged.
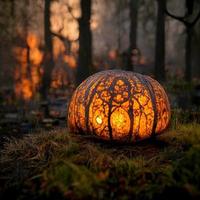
(119, 105)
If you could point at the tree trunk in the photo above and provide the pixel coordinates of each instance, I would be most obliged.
(188, 49)
(133, 6)
(12, 8)
(48, 59)
(26, 24)
(119, 23)
(84, 67)
(189, 4)
(1, 66)
(160, 41)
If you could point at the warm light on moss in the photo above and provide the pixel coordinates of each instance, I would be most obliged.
(119, 105)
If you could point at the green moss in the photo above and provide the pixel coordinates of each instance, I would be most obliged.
(187, 171)
(58, 165)
(66, 176)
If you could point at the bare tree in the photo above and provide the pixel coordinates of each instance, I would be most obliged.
(48, 60)
(133, 10)
(26, 24)
(12, 9)
(160, 41)
(189, 25)
(84, 67)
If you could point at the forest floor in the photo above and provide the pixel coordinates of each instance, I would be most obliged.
(60, 165)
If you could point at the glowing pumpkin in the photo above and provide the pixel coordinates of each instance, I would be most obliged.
(119, 105)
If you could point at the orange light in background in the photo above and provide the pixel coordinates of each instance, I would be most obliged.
(70, 60)
(143, 60)
(62, 20)
(32, 41)
(113, 54)
(94, 24)
(28, 75)
(20, 54)
(26, 89)
(36, 56)
(58, 47)
(59, 78)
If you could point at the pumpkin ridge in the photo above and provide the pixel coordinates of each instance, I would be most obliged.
(111, 88)
(89, 101)
(153, 99)
(140, 78)
(130, 110)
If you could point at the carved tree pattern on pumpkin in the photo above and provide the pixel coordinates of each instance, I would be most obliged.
(119, 105)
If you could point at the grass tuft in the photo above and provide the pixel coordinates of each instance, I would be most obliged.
(60, 165)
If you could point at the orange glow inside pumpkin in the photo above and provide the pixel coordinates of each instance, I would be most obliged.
(119, 105)
(99, 119)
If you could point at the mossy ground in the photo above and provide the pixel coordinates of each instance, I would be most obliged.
(59, 165)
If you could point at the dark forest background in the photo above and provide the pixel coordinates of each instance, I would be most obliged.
(48, 47)
(97, 35)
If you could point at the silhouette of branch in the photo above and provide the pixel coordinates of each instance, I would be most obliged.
(196, 19)
(62, 38)
(182, 19)
(69, 8)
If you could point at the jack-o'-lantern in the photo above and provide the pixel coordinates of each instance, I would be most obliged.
(119, 105)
